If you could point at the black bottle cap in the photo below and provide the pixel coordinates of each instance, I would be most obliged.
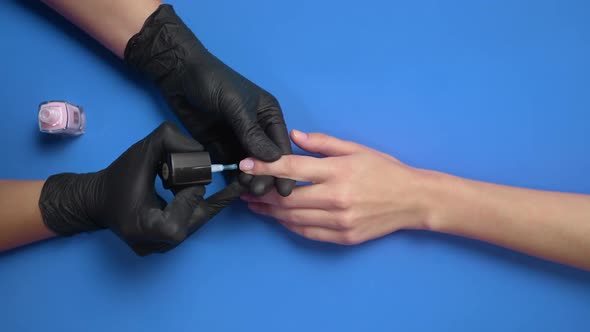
(186, 169)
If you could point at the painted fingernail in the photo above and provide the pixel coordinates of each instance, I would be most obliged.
(246, 164)
(299, 134)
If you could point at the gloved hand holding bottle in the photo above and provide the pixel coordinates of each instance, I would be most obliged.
(121, 198)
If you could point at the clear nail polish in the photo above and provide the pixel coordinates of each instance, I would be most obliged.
(61, 118)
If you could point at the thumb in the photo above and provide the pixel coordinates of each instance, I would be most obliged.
(210, 207)
(255, 140)
(324, 144)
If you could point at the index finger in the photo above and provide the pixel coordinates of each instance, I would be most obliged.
(298, 168)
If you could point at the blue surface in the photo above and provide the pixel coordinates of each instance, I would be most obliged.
(492, 90)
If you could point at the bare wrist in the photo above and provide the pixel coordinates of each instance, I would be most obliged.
(434, 190)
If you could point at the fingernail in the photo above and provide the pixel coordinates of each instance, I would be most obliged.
(299, 134)
(246, 164)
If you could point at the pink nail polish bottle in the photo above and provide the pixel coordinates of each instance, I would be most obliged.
(61, 118)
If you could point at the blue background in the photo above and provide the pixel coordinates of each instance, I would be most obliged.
(491, 90)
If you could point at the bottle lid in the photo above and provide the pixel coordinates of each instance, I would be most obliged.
(50, 115)
(186, 169)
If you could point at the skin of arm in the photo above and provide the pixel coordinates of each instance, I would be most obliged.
(111, 22)
(20, 218)
(358, 194)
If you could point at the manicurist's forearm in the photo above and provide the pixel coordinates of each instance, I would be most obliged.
(111, 22)
(20, 218)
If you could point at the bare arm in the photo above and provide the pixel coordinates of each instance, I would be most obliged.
(20, 217)
(111, 22)
(350, 204)
(550, 225)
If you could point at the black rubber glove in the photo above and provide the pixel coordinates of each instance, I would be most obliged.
(122, 197)
(229, 114)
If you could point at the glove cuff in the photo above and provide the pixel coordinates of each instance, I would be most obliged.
(64, 203)
(159, 47)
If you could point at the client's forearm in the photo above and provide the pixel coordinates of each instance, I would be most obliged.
(550, 225)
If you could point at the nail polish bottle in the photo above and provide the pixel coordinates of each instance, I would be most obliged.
(61, 118)
(187, 169)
